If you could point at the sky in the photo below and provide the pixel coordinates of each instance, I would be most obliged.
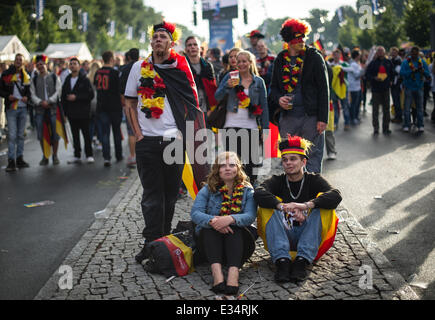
(181, 12)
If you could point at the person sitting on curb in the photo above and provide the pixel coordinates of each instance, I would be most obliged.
(290, 227)
(223, 211)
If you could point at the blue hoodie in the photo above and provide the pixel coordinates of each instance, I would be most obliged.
(406, 73)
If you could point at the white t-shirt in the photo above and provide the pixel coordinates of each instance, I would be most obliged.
(73, 82)
(165, 126)
(240, 119)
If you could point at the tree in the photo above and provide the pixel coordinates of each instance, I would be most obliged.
(347, 35)
(365, 39)
(388, 29)
(18, 25)
(417, 21)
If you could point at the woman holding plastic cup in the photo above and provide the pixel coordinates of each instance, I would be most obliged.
(247, 111)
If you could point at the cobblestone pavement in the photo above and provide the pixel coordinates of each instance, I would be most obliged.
(103, 264)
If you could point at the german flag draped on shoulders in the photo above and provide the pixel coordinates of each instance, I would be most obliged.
(183, 98)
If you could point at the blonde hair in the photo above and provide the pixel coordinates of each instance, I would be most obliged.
(228, 68)
(214, 181)
(95, 66)
(251, 58)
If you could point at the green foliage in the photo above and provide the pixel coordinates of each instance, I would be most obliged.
(18, 25)
(388, 29)
(416, 21)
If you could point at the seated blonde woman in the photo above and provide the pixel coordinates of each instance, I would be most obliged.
(223, 211)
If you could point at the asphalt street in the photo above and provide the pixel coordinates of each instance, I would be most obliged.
(34, 241)
(388, 185)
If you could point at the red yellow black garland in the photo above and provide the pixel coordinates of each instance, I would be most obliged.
(291, 76)
(152, 89)
(245, 101)
(413, 68)
(231, 205)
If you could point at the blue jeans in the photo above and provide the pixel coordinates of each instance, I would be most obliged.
(107, 120)
(417, 96)
(344, 105)
(354, 107)
(305, 239)
(16, 126)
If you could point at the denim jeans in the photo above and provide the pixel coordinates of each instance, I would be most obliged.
(16, 126)
(305, 239)
(344, 105)
(305, 127)
(107, 120)
(355, 105)
(417, 96)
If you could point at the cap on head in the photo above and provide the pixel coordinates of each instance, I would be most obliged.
(40, 57)
(256, 34)
(170, 28)
(295, 145)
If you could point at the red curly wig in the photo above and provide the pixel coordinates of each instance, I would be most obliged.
(294, 29)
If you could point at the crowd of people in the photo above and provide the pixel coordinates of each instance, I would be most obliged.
(301, 90)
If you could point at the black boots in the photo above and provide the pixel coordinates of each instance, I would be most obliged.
(143, 254)
(21, 163)
(282, 270)
(11, 166)
(299, 269)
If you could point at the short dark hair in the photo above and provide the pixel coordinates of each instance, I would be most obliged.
(74, 59)
(107, 56)
(190, 38)
(415, 49)
(225, 58)
(134, 54)
(216, 53)
(355, 53)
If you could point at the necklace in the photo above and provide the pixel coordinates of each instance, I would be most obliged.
(300, 188)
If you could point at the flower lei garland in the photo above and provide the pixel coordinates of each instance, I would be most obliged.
(291, 78)
(231, 205)
(152, 89)
(413, 68)
(245, 101)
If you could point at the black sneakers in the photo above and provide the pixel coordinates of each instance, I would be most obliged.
(21, 163)
(11, 166)
(299, 269)
(282, 270)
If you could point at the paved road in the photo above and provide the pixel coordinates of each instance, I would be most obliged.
(388, 185)
(34, 241)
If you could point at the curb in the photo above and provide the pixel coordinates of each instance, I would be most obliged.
(52, 284)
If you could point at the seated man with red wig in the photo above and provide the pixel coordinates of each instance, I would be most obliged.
(299, 221)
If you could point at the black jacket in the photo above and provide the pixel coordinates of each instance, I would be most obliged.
(7, 86)
(81, 107)
(315, 85)
(265, 195)
(372, 73)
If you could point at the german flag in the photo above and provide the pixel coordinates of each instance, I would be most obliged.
(183, 99)
(271, 149)
(60, 125)
(318, 45)
(329, 229)
(46, 134)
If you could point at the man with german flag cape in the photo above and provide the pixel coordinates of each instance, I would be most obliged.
(162, 104)
(296, 213)
(45, 91)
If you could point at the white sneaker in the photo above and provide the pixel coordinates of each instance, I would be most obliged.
(405, 129)
(332, 156)
(74, 160)
(421, 129)
(90, 160)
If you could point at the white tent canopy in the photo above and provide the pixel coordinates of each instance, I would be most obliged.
(68, 50)
(11, 45)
